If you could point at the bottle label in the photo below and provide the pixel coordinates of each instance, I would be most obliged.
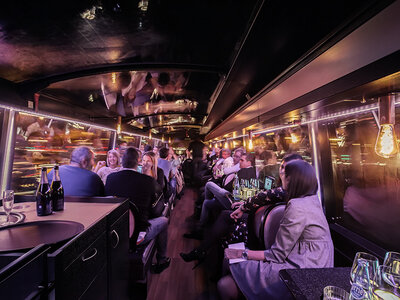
(357, 292)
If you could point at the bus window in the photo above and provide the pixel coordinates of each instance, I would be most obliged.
(45, 142)
(366, 186)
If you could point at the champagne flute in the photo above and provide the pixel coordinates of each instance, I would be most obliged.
(8, 202)
(373, 265)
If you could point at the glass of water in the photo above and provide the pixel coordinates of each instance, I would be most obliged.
(8, 203)
(335, 293)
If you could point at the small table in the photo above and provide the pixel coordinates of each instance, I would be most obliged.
(310, 283)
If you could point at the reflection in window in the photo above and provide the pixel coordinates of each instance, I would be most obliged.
(44, 142)
(271, 147)
(366, 185)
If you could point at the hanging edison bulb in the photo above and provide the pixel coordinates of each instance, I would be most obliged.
(250, 141)
(215, 145)
(294, 137)
(162, 139)
(150, 134)
(169, 140)
(226, 146)
(250, 144)
(386, 142)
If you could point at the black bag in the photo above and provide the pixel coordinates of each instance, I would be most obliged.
(157, 207)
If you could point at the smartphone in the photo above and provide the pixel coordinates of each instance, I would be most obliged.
(269, 182)
(139, 168)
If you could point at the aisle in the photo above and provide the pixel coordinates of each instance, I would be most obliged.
(179, 281)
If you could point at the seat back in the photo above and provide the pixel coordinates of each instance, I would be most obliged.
(270, 224)
(258, 219)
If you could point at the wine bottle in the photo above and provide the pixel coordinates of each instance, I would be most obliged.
(44, 205)
(57, 191)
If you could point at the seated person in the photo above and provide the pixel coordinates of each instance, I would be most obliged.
(113, 165)
(224, 225)
(216, 198)
(77, 178)
(303, 240)
(149, 162)
(164, 163)
(140, 189)
(225, 161)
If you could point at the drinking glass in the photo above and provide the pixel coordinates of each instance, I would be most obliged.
(8, 202)
(384, 285)
(335, 293)
(373, 264)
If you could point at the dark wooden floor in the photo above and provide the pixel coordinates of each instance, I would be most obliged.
(179, 281)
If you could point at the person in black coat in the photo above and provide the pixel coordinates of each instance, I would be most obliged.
(140, 189)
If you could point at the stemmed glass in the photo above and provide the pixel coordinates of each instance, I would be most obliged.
(371, 260)
(8, 202)
(391, 269)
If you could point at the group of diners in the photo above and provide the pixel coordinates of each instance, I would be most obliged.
(303, 239)
(132, 175)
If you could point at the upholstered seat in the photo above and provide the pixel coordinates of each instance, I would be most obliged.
(266, 223)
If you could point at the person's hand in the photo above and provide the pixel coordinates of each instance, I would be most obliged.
(236, 205)
(233, 253)
(101, 163)
(237, 214)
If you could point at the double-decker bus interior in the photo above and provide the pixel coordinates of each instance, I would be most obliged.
(319, 78)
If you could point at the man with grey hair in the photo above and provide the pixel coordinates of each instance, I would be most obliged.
(77, 178)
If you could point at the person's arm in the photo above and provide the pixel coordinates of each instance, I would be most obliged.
(238, 253)
(289, 232)
(99, 165)
(233, 169)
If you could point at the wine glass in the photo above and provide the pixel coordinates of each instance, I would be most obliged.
(8, 202)
(371, 260)
(385, 285)
(391, 269)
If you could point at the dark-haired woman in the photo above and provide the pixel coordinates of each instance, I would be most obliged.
(302, 241)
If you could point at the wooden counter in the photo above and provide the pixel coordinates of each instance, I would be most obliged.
(81, 212)
(91, 265)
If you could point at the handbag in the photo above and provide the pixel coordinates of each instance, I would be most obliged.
(157, 207)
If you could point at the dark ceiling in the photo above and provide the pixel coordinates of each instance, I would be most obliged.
(158, 63)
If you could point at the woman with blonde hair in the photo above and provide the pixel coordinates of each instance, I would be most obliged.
(150, 168)
(113, 165)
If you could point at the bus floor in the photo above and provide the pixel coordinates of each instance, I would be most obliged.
(179, 281)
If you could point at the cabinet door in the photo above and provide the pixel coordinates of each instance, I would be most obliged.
(98, 289)
(77, 278)
(118, 249)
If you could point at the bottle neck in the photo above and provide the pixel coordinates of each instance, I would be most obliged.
(43, 178)
(56, 175)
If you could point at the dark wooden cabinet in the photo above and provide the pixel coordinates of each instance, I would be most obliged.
(118, 264)
(92, 265)
(25, 277)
